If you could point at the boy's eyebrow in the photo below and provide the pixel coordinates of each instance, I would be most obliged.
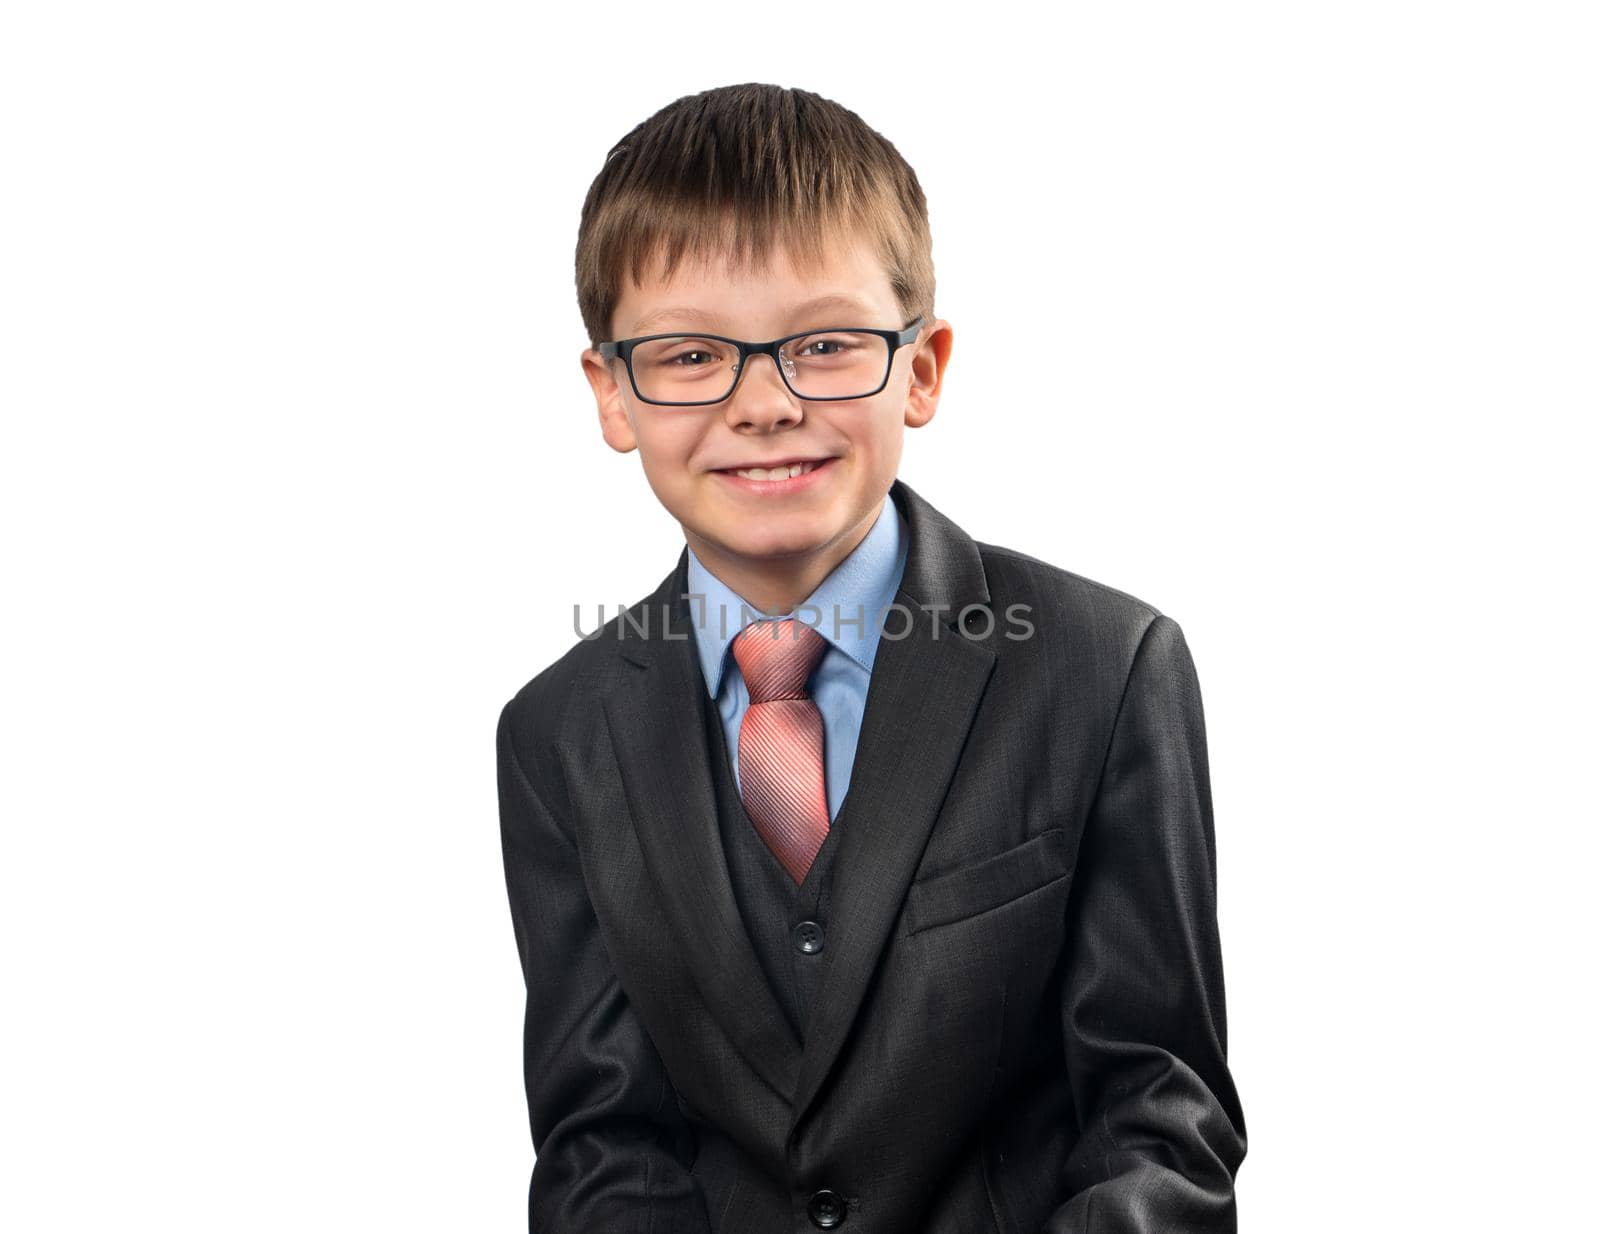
(835, 299)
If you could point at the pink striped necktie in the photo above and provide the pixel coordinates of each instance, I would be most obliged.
(780, 741)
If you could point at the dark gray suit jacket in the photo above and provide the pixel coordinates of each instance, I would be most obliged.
(1018, 1023)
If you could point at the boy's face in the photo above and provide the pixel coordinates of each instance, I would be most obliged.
(795, 529)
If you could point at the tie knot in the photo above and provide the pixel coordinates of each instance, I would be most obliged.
(776, 658)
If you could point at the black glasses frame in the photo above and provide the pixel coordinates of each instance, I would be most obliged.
(895, 338)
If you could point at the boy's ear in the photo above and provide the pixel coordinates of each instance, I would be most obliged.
(927, 372)
(615, 426)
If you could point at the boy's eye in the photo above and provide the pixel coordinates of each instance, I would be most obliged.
(683, 354)
(822, 347)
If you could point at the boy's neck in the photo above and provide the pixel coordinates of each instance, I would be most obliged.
(776, 585)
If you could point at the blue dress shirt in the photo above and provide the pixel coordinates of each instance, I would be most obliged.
(845, 609)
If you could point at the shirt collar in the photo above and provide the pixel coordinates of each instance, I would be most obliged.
(845, 606)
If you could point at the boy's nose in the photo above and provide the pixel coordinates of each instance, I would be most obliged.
(761, 395)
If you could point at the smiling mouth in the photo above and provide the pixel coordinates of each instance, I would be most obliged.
(785, 472)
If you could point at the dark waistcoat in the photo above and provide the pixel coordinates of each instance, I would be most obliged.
(787, 924)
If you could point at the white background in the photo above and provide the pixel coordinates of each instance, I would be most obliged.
(1279, 316)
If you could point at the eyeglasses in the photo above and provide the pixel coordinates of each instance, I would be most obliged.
(694, 370)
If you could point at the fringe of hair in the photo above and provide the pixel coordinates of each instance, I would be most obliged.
(733, 172)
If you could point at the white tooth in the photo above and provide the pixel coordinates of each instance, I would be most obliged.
(776, 473)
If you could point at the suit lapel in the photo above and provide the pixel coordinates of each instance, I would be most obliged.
(927, 680)
(660, 742)
(924, 694)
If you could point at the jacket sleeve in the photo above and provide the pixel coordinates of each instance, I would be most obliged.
(610, 1142)
(1142, 1010)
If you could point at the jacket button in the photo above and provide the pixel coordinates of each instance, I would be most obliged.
(826, 1209)
(807, 937)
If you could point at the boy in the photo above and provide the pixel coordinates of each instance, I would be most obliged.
(862, 874)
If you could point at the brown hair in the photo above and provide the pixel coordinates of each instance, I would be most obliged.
(732, 171)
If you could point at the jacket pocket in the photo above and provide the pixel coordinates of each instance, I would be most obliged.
(968, 890)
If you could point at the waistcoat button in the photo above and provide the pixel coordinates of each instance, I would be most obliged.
(807, 937)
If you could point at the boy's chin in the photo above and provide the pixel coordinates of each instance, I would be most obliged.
(795, 538)
(776, 534)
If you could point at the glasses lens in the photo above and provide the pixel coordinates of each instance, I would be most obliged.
(685, 369)
(837, 364)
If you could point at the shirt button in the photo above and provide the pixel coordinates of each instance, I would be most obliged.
(807, 937)
(826, 1209)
